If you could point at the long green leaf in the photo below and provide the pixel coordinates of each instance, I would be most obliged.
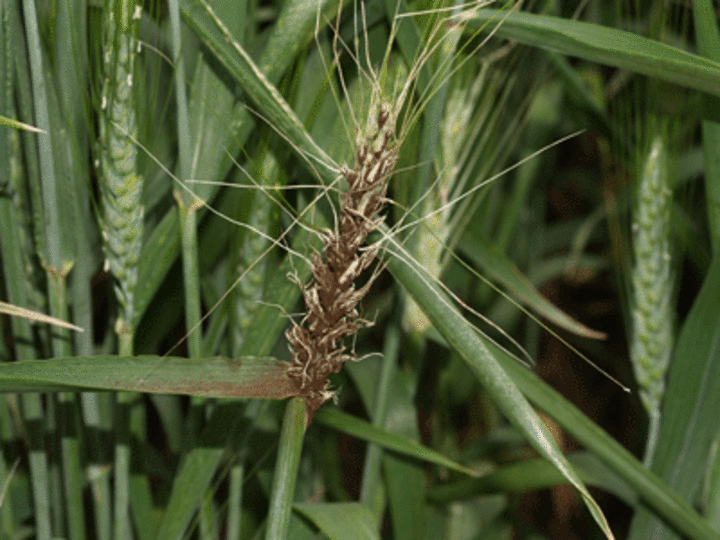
(257, 86)
(259, 377)
(496, 381)
(534, 474)
(604, 45)
(708, 38)
(499, 267)
(653, 492)
(361, 429)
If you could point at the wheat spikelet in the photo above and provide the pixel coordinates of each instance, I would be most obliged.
(317, 343)
(652, 340)
(120, 185)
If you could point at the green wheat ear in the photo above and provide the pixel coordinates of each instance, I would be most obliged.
(652, 281)
(120, 185)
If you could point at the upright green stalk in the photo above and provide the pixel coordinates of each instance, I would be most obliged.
(652, 278)
(55, 250)
(72, 76)
(70, 108)
(7, 109)
(122, 222)
(235, 500)
(14, 239)
(286, 468)
(187, 206)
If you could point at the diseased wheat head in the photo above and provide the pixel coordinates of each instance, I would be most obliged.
(317, 342)
(331, 298)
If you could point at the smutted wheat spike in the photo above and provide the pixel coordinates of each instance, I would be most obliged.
(317, 343)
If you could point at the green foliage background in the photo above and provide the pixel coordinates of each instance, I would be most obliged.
(99, 436)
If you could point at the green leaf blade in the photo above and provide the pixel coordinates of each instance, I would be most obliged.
(250, 377)
(499, 385)
(341, 521)
(361, 429)
(499, 267)
(605, 45)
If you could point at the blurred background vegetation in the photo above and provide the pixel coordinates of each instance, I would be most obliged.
(593, 258)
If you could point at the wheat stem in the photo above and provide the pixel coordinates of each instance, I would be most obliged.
(286, 468)
(16, 239)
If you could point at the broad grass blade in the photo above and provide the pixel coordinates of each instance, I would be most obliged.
(258, 377)
(653, 491)
(609, 46)
(341, 521)
(496, 381)
(362, 429)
